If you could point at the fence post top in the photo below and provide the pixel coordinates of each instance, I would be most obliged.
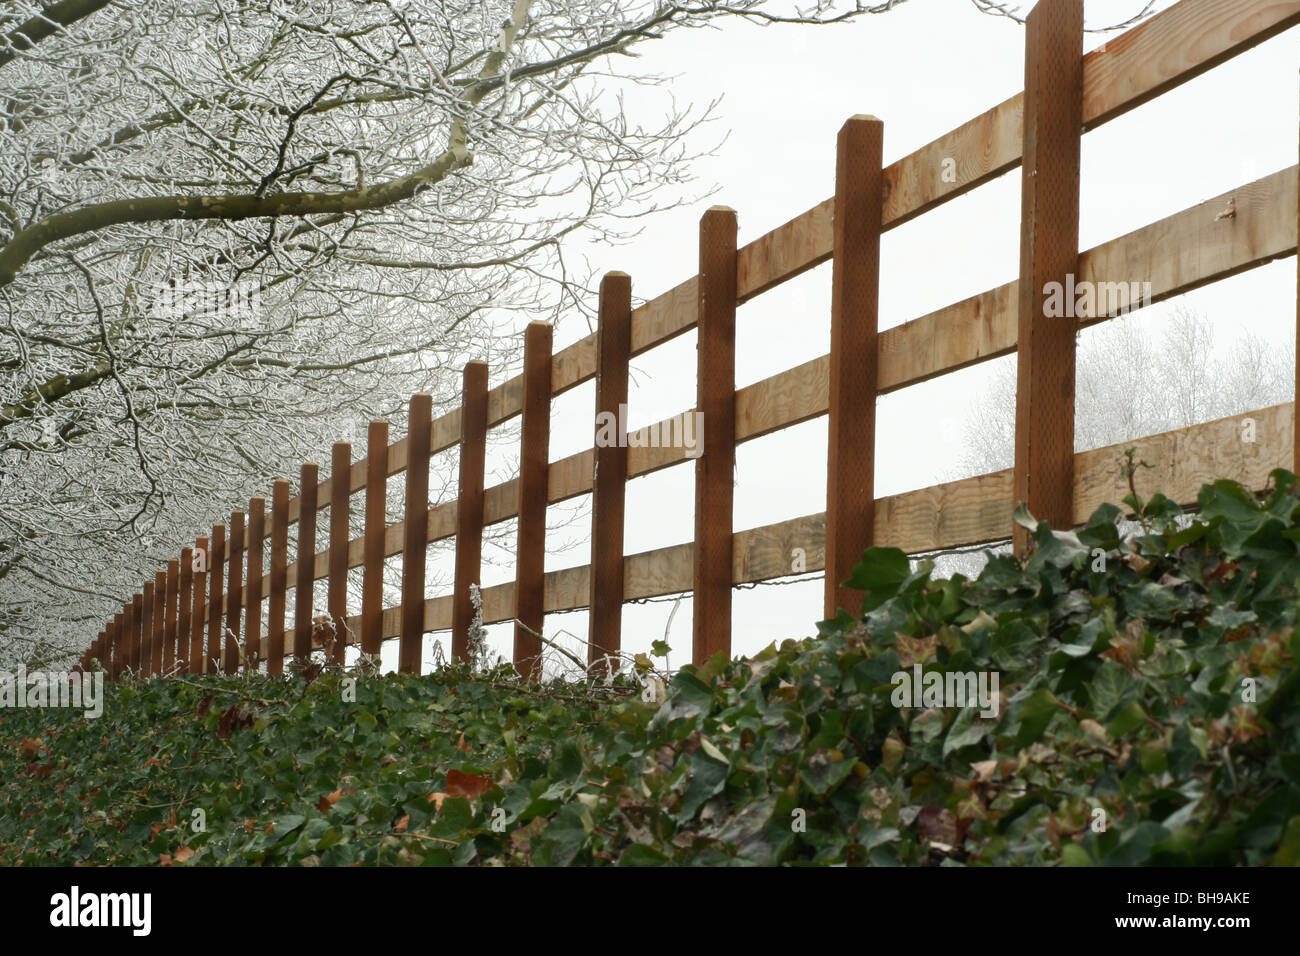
(720, 209)
(862, 118)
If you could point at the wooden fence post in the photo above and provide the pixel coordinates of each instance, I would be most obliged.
(534, 462)
(715, 468)
(372, 584)
(1049, 253)
(185, 616)
(253, 611)
(137, 631)
(855, 283)
(112, 650)
(146, 632)
(469, 504)
(416, 544)
(169, 631)
(195, 665)
(304, 590)
(128, 637)
(216, 561)
(234, 595)
(159, 615)
(340, 512)
(275, 608)
(609, 483)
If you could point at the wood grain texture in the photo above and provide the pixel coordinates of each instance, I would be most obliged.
(185, 616)
(275, 605)
(1174, 46)
(414, 547)
(172, 601)
(372, 584)
(216, 567)
(613, 349)
(340, 514)
(158, 613)
(1049, 253)
(198, 616)
(253, 593)
(234, 593)
(715, 469)
(530, 500)
(851, 426)
(303, 591)
(469, 506)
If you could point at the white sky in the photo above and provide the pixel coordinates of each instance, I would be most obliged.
(924, 69)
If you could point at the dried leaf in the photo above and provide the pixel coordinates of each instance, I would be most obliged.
(470, 785)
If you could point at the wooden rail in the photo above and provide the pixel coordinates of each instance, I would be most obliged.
(221, 584)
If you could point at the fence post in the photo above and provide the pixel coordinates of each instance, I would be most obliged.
(216, 559)
(1049, 252)
(534, 462)
(340, 512)
(147, 631)
(195, 663)
(469, 504)
(275, 608)
(129, 625)
(609, 483)
(137, 631)
(234, 595)
(416, 544)
(306, 584)
(169, 631)
(253, 611)
(372, 584)
(855, 283)
(113, 650)
(159, 613)
(185, 616)
(715, 468)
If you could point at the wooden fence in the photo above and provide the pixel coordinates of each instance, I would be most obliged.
(206, 605)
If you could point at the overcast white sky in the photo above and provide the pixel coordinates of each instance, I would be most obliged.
(923, 68)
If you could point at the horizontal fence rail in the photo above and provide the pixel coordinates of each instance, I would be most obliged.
(203, 613)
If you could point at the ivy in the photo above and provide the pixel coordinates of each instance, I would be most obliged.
(1146, 715)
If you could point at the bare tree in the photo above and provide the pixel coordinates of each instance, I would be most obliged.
(229, 232)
